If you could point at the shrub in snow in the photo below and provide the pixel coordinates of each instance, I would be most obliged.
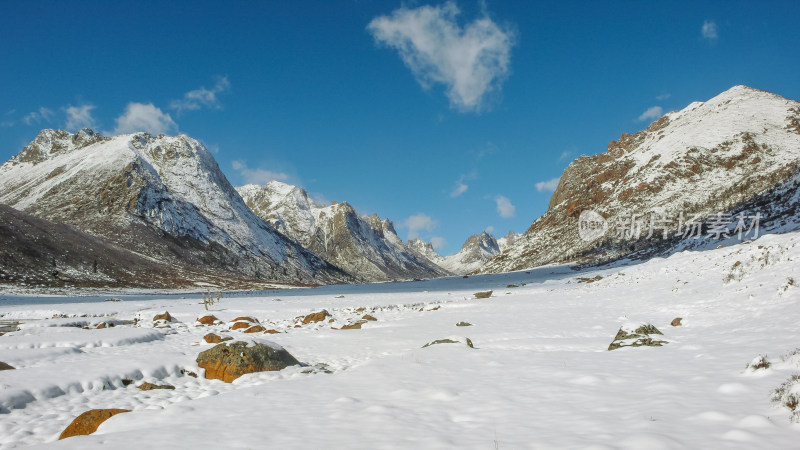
(788, 395)
(758, 363)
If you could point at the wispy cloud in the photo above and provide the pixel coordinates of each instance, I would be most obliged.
(564, 155)
(653, 112)
(504, 206)
(418, 222)
(470, 61)
(709, 30)
(461, 186)
(663, 97)
(489, 229)
(79, 117)
(144, 117)
(41, 115)
(459, 189)
(547, 186)
(438, 242)
(202, 98)
(257, 176)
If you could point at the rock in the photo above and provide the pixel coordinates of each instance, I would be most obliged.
(112, 300)
(208, 320)
(511, 286)
(4, 366)
(435, 309)
(88, 422)
(463, 324)
(676, 322)
(339, 296)
(239, 325)
(255, 329)
(639, 337)
(189, 373)
(362, 309)
(246, 319)
(468, 342)
(316, 317)
(483, 294)
(150, 386)
(100, 326)
(164, 316)
(271, 331)
(368, 317)
(212, 338)
(354, 326)
(126, 382)
(229, 361)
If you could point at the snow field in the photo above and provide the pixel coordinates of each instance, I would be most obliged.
(539, 376)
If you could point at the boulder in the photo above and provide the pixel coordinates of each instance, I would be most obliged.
(88, 422)
(228, 361)
(271, 332)
(255, 329)
(368, 317)
(354, 326)
(208, 320)
(636, 336)
(4, 366)
(163, 316)
(676, 322)
(463, 324)
(316, 317)
(483, 294)
(212, 338)
(240, 325)
(150, 386)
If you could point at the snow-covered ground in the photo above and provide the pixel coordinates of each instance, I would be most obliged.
(540, 375)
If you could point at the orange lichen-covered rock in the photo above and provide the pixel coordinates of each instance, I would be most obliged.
(208, 320)
(255, 329)
(88, 422)
(229, 361)
(212, 338)
(316, 317)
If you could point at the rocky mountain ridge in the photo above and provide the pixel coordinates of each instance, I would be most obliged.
(690, 164)
(365, 246)
(161, 197)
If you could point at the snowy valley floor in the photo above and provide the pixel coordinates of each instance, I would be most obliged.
(540, 375)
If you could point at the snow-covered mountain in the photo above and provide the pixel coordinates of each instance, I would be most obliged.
(366, 247)
(508, 240)
(425, 250)
(477, 249)
(162, 197)
(689, 165)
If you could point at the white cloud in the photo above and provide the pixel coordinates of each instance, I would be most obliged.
(438, 242)
(257, 176)
(469, 61)
(564, 155)
(489, 229)
(548, 186)
(663, 96)
(417, 223)
(79, 117)
(42, 114)
(504, 206)
(653, 112)
(144, 117)
(709, 30)
(202, 97)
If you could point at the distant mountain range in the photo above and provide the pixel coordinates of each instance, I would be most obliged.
(139, 210)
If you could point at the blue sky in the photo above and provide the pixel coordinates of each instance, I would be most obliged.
(377, 102)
